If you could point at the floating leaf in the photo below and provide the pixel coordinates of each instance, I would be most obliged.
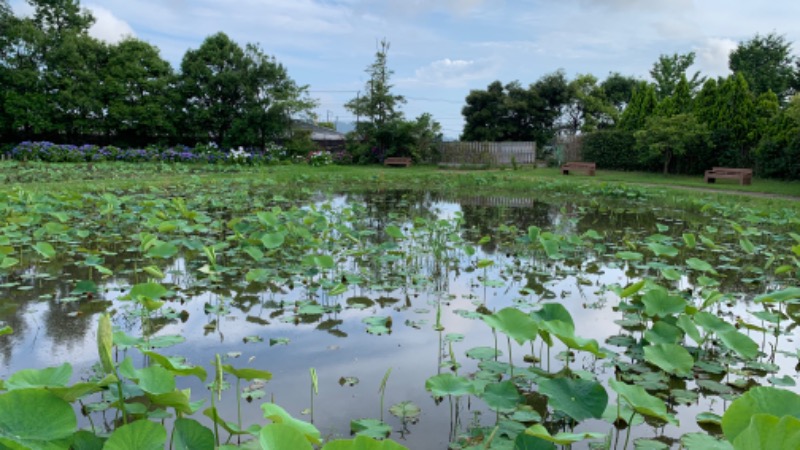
(579, 399)
(449, 384)
(758, 400)
(163, 250)
(514, 323)
(189, 434)
(700, 265)
(35, 418)
(629, 256)
(35, 378)
(139, 435)
(662, 250)
(371, 428)
(642, 402)
(45, 249)
(541, 432)
(671, 358)
(502, 397)
(405, 411)
(279, 436)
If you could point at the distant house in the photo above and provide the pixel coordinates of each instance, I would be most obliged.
(331, 140)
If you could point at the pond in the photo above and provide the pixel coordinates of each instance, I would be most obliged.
(442, 320)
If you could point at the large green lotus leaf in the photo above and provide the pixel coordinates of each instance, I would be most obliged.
(541, 432)
(78, 390)
(702, 441)
(30, 378)
(189, 434)
(449, 384)
(554, 311)
(688, 326)
(176, 365)
(502, 397)
(700, 265)
(139, 435)
(483, 353)
(663, 333)
(758, 400)
(740, 343)
(280, 436)
(363, 443)
(768, 432)
(405, 410)
(36, 419)
(642, 402)
(272, 240)
(86, 440)
(152, 291)
(248, 374)
(579, 399)
(373, 428)
(527, 442)
(156, 380)
(658, 303)
(791, 293)
(566, 334)
(45, 249)
(277, 414)
(514, 323)
(163, 250)
(670, 358)
(179, 400)
(711, 323)
(629, 256)
(662, 250)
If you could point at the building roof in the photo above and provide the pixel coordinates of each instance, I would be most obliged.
(318, 133)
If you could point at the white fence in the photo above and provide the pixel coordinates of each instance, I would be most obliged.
(487, 153)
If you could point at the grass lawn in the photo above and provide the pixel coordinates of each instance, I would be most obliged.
(81, 176)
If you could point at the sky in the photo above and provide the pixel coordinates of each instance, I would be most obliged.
(442, 49)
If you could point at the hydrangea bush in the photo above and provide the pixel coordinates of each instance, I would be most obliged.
(201, 153)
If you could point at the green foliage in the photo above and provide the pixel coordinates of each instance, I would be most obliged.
(613, 149)
(665, 138)
(514, 113)
(668, 71)
(642, 106)
(765, 62)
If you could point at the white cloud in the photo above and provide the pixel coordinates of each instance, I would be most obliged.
(713, 54)
(450, 73)
(107, 27)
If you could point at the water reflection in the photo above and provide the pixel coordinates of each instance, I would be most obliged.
(287, 322)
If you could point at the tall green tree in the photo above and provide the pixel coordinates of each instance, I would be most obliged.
(667, 138)
(734, 125)
(778, 151)
(514, 113)
(766, 63)
(378, 105)
(213, 88)
(272, 98)
(139, 91)
(667, 72)
(588, 108)
(642, 105)
(680, 102)
(706, 102)
(618, 89)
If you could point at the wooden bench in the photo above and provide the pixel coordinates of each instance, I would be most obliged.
(588, 167)
(745, 176)
(397, 161)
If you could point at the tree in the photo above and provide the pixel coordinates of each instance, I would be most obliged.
(666, 138)
(766, 64)
(378, 105)
(588, 108)
(139, 88)
(514, 113)
(272, 98)
(213, 87)
(667, 72)
(642, 106)
(618, 89)
(680, 102)
(734, 125)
